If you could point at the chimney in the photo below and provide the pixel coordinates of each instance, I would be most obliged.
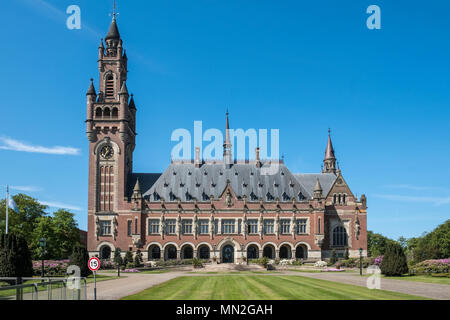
(258, 162)
(197, 157)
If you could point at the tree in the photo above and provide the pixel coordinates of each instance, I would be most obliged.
(138, 258)
(15, 257)
(118, 257)
(80, 257)
(346, 254)
(44, 229)
(377, 244)
(128, 258)
(67, 234)
(24, 222)
(433, 245)
(394, 261)
(333, 258)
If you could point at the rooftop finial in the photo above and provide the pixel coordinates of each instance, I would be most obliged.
(114, 10)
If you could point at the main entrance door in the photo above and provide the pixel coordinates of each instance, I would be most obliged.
(228, 254)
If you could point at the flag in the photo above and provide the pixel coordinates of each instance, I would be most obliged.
(11, 204)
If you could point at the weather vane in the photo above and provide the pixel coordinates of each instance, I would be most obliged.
(114, 13)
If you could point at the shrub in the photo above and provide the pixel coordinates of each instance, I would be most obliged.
(80, 257)
(432, 266)
(197, 263)
(15, 257)
(52, 268)
(378, 260)
(138, 258)
(264, 261)
(394, 261)
(297, 262)
(106, 264)
(333, 258)
(128, 258)
(337, 265)
(320, 264)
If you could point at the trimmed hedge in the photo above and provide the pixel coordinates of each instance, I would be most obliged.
(394, 261)
(15, 257)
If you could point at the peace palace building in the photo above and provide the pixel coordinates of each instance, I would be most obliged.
(226, 209)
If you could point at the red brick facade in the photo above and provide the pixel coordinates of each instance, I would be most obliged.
(314, 214)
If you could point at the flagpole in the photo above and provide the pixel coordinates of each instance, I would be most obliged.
(7, 205)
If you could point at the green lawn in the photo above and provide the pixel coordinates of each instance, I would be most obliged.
(252, 287)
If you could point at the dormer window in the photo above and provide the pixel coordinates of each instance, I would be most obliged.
(166, 184)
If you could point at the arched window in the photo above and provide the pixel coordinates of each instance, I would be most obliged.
(339, 197)
(340, 237)
(98, 112)
(109, 86)
(203, 252)
(252, 252)
(106, 113)
(343, 198)
(115, 113)
(334, 198)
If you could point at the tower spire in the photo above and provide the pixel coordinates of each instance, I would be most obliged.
(227, 145)
(329, 160)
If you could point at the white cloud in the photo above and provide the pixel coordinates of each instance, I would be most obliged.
(26, 188)
(15, 145)
(437, 201)
(60, 205)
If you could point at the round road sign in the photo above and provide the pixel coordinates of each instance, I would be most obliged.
(94, 264)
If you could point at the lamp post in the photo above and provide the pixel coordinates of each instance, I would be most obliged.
(42, 245)
(360, 261)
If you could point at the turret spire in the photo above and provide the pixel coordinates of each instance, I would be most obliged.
(227, 145)
(329, 160)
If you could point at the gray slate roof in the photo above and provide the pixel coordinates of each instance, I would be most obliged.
(186, 182)
(308, 181)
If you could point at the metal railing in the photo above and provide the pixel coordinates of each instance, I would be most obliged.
(44, 289)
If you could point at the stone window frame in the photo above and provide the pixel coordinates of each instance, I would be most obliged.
(287, 222)
(228, 223)
(346, 223)
(203, 223)
(184, 225)
(250, 225)
(157, 222)
(308, 226)
(100, 223)
(269, 225)
(169, 225)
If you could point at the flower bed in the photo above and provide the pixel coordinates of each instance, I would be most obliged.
(131, 270)
(432, 266)
(51, 267)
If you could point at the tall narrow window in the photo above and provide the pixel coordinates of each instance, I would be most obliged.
(115, 113)
(135, 225)
(129, 227)
(319, 226)
(109, 88)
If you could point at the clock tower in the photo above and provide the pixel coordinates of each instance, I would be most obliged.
(111, 125)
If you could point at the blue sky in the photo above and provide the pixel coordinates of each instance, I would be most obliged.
(299, 66)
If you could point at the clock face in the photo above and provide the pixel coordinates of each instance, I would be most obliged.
(107, 152)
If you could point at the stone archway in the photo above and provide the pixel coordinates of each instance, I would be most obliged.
(154, 252)
(227, 254)
(105, 252)
(285, 252)
(170, 252)
(252, 252)
(269, 251)
(203, 252)
(187, 252)
(301, 252)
